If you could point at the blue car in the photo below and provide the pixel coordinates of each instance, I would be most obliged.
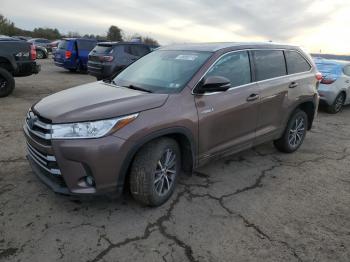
(72, 53)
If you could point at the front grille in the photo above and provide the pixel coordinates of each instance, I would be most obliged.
(40, 128)
(46, 162)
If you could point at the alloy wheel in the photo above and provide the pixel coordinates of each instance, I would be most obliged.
(40, 55)
(3, 82)
(296, 133)
(339, 102)
(165, 173)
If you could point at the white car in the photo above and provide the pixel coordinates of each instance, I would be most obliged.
(334, 89)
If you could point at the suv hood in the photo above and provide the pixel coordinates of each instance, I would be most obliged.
(96, 101)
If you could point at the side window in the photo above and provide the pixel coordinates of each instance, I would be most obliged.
(128, 50)
(235, 67)
(347, 70)
(296, 63)
(143, 50)
(269, 64)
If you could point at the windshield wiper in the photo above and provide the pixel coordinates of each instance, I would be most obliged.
(138, 88)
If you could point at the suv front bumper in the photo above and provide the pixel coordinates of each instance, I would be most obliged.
(63, 165)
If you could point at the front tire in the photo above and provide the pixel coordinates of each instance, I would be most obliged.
(7, 83)
(337, 104)
(294, 134)
(154, 172)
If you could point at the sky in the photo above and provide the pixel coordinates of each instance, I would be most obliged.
(316, 25)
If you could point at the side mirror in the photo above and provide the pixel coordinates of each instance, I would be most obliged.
(212, 84)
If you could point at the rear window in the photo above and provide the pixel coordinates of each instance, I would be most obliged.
(269, 64)
(86, 45)
(296, 63)
(329, 69)
(63, 45)
(103, 49)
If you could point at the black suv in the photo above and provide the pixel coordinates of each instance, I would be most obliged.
(17, 58)
(108, 58)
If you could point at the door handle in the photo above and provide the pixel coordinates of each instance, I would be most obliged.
(293, 85)
(253, 97)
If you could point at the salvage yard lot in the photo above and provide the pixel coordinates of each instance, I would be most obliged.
(259, 205)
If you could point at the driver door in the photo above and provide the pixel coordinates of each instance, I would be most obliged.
(227, 120)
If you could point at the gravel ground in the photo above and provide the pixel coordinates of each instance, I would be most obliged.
(259, 205)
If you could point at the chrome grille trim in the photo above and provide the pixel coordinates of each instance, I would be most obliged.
(43, 125)
(47, 127)
(42, 160)
(48, 157)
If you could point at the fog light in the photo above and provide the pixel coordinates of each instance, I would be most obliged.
(90, 180)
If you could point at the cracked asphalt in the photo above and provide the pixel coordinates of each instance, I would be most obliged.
(258, 205)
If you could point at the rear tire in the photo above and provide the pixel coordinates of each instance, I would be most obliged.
(7, 83)
(40, 54)
(154, 172)
(337, 105)
(294, 134)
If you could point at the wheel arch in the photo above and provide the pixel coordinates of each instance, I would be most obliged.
(6, 64)
(309, 107)
(181, 135)
(345, 92)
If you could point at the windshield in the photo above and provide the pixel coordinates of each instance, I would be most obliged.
(163, 71)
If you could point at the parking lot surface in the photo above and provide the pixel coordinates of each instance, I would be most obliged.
(259, 205)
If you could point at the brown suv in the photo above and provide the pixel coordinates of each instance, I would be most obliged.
(174, 109)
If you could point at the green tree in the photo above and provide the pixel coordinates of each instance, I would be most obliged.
(49, 33)
(114, 33)
(6, 26)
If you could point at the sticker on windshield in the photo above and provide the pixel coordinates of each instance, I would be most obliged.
(186, 57)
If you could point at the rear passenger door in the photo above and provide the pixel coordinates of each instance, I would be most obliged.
(227, 120)
(273, 82)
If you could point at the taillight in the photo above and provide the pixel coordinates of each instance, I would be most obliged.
(32, 52)
(106, 58)
(328, 81)
(68, 54)
(318, 76)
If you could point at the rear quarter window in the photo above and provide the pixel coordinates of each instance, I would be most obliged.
(63, 45)
(269, 64)
(296, 63)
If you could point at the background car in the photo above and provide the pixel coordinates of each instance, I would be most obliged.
(72, 53)
(334, 89)
(54, 45)
(109, 58)
(41, 42)
(41, 52)
(17, 60)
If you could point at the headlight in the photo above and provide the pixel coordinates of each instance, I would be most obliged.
(93, 129)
